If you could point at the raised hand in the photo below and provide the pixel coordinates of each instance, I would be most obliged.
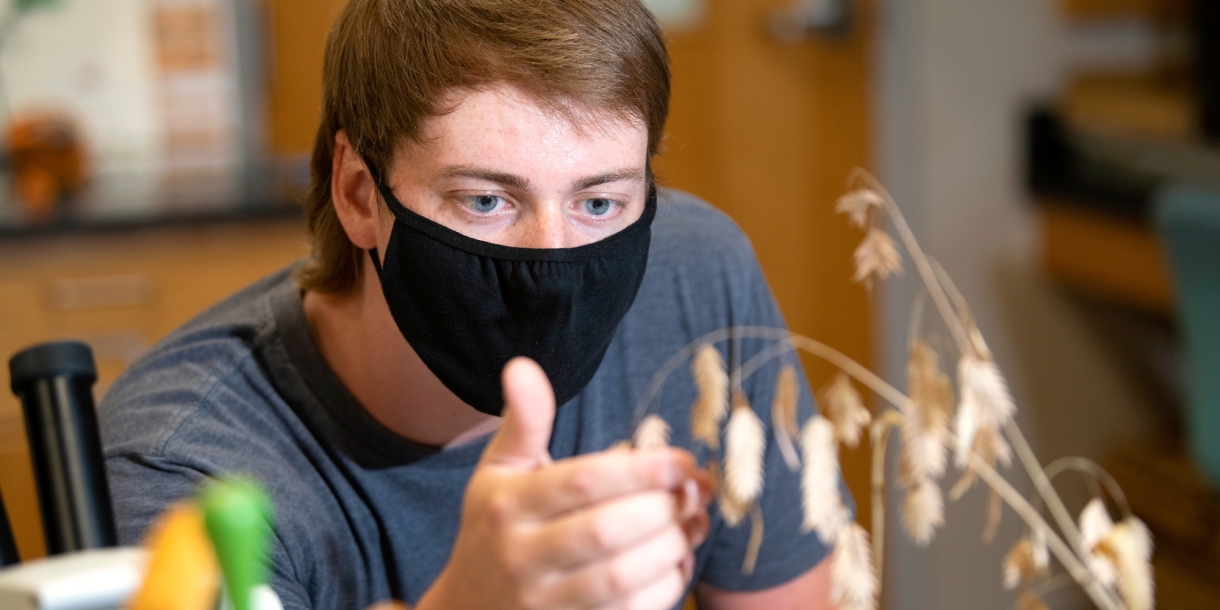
(614, 529)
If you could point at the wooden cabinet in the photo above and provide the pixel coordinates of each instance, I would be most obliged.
(120, 291)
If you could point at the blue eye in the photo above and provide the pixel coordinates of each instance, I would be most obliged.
(485, 204)
(598, 207)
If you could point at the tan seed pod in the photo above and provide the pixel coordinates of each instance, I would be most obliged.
(1019, 565)
(876, 258)
(820, 496)
(845, 409)
(923, 510)
(712, 404)
(1095, 528)
(1028, 600)
(925, 425)
(732, 510)
(652, 433)
(985, 404)
(853, 580)
(856, 205)
(745, 445)
(783, 415)
(1128, 547)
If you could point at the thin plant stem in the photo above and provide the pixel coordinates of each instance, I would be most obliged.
(1062, 552)
(1093, 469)
(1049, 585)
(880, 433)
(1043, 484)
(953, 320)
(1065, 554)
(937, 292)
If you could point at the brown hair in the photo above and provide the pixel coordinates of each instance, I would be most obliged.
(390, 63)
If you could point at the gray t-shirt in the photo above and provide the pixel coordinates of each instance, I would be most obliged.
(361, 514)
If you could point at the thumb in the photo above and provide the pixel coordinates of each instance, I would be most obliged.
(529, 412)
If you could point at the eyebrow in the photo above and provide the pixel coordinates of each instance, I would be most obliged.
(478, 173)
(616, 176)
(519, 182)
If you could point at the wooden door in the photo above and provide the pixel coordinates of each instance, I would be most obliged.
(768, 132)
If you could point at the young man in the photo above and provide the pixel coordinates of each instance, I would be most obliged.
(482, 192)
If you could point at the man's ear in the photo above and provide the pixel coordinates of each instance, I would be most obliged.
(354, 194)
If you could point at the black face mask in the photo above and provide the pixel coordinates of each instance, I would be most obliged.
(468, 306)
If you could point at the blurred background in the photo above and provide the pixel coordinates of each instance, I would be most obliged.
(1057, 157)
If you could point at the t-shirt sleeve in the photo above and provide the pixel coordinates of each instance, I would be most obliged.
(787, 551)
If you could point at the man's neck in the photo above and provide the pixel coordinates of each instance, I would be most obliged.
(358, 338)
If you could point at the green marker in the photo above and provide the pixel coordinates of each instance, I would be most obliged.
(237, 514)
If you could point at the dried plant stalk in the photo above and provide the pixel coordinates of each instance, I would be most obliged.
(845, 409)
(710, 408)
(820, 497)
(853, 583)
(652, 433)
(745, 444)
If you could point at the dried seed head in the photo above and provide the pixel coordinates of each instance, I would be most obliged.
(745, 443)
(876, 257)
(995, 509)
(991, 447)
(652, 433)
(820, 496)
(845, 408)
(985, 406)
(1042, 555)
(710, 408)
(1019, 564)
(1095, 527)
(1028, 600)
(754, 545)
(925, 426)
(783, 415)
(732, 510)
(857, 204)
(783, 407)
(923, 510)
(853, 581)
(1129, 547)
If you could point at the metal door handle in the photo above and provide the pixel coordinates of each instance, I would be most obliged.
(803, 19)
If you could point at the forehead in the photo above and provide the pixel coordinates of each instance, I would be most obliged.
(503, 121)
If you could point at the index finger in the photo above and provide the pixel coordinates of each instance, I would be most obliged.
(583, 480)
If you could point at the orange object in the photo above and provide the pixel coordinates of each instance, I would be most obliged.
(182, 569)
(47, 161)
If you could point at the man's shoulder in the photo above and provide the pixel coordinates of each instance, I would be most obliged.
(211, 362)
(688, 227)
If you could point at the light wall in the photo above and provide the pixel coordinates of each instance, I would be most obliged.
(953, 78)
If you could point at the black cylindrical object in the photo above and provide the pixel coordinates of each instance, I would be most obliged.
(55, 384)
(1207, 44)
(8, 546)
